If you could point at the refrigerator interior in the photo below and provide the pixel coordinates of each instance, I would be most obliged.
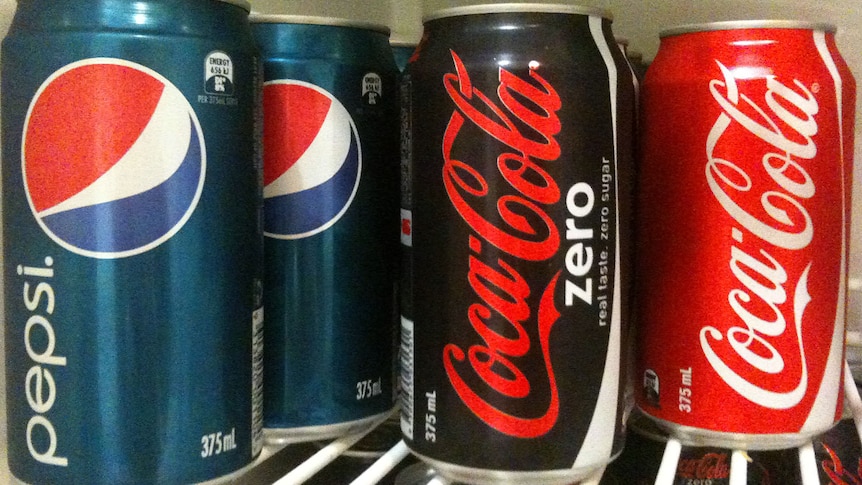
(636, 20)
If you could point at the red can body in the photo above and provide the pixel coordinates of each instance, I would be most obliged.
(743, 232)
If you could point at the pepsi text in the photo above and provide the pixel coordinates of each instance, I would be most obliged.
(40, 386)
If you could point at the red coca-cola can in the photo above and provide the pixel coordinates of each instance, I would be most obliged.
(518, 154)
(742, 233)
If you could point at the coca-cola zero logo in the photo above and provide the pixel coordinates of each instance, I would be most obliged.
(780, 222)
(498, 281)
(835, 470)
(710, 466)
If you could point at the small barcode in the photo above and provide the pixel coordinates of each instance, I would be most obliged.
(407, 378)
(257, 382)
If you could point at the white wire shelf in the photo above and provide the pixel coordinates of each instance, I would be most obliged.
(336, 462)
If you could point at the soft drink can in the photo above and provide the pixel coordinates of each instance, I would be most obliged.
(743, 233)
(519, 164)
(402, 51)
(132, 248)
(330, 107)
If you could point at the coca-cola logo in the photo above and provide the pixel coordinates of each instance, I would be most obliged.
(836, 472)
(497, 280)
(769, 218)
(710, 466)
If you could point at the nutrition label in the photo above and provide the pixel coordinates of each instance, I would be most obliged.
(257, 382)
(407, 378)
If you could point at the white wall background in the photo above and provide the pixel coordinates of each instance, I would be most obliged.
(638, 20)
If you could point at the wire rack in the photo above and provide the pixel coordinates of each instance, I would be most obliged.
(335, 462)
(338, 461)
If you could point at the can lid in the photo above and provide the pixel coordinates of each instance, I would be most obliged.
(747, 24)
(492, 8)
(260, 18)
(239, 3)
(403, 43)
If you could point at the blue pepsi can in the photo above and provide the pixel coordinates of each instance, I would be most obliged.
(402, 51)
(331, 192)
(132, 241)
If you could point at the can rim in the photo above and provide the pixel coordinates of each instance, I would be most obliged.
(640, 423)
(243, 4)
(747, 24)
(492, 8)
(266, 18)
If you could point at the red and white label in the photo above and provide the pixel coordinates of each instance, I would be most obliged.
(742, 253)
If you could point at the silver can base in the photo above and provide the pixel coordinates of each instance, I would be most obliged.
(231, 477)
(690, 436)
(286, 436)
(481, 476)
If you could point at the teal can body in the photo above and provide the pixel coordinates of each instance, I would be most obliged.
(331, 191)
(132, 241)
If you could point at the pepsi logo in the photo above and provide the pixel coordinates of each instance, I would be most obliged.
(113, 158)
(312, 159)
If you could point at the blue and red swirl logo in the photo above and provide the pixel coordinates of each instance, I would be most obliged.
(113, 158)
(312, 159)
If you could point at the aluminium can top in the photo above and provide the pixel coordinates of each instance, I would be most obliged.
(492, 8)
(260, 18)
(747, 24)
(239, 3)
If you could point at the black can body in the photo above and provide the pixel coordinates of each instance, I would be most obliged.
(518, 160)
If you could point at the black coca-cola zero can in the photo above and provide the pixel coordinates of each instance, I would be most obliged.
(517, 150)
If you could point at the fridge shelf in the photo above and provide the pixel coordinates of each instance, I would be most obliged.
(337, 461)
